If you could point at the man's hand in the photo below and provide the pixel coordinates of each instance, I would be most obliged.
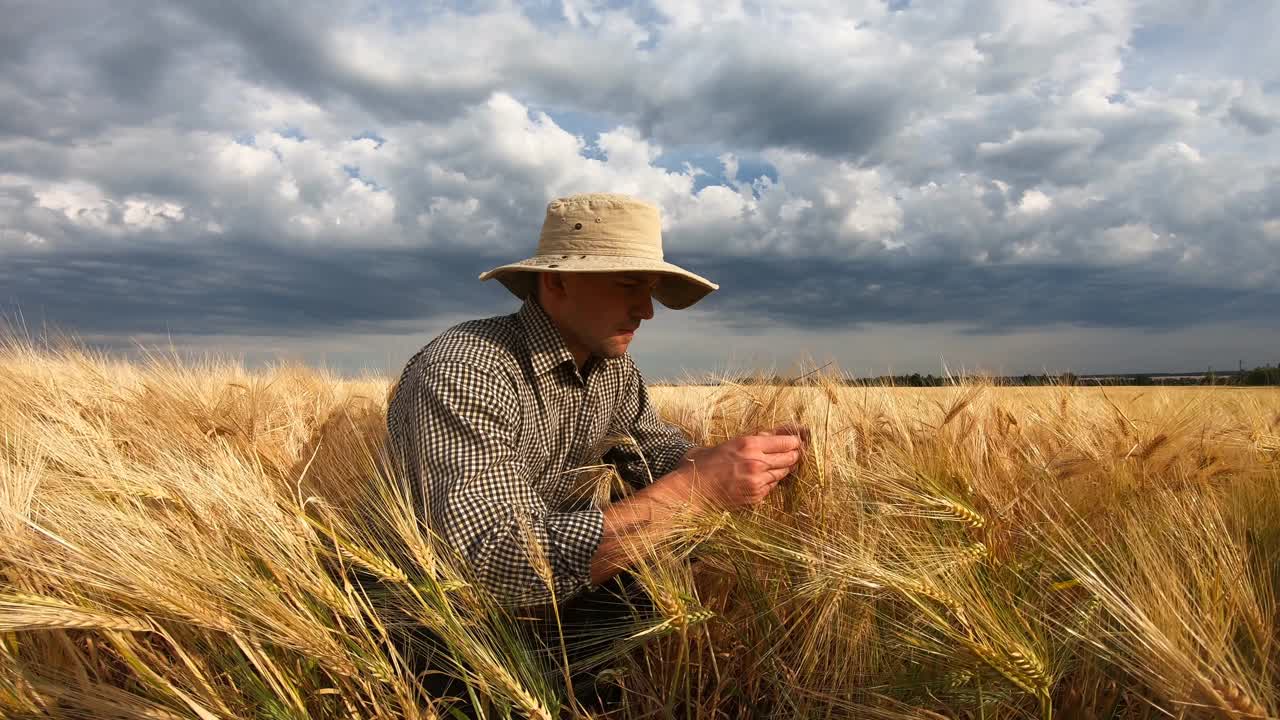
(742, 471)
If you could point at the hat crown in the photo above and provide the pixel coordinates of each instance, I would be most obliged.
(601, 224)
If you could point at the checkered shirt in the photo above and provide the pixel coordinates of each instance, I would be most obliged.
(486, 421)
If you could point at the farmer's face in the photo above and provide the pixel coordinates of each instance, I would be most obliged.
(598, 313)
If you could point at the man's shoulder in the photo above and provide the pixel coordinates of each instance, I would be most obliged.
(488, 345)
(492, 343)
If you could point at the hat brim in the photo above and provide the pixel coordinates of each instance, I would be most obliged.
(677, 288)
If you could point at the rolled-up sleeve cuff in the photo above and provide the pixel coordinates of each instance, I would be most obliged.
(576, 537)
(668, 458)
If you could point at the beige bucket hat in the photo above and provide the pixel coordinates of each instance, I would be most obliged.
(603, 232)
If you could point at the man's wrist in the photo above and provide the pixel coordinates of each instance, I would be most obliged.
(678, 488)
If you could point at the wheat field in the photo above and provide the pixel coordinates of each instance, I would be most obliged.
(195, 541)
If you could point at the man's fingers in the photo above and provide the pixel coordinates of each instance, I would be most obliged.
(777, 474)
(782, 459)
(790, 428)
(779, 443)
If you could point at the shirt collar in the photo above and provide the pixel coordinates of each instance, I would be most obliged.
(547, 350)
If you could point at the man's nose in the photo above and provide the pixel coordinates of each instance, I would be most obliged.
(644, 310)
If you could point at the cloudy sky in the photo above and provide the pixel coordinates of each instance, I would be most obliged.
(1009, 185)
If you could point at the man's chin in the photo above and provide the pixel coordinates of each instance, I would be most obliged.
(615, 350)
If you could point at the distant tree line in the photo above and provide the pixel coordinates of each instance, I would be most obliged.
(1259, 376)
(1265, 375)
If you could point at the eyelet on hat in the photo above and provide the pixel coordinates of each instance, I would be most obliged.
(597, 219)
(577, 226)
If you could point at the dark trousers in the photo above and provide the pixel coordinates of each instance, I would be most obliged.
(591, 623)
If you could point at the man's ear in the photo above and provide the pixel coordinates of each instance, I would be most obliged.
(552, 283)
(550, 288)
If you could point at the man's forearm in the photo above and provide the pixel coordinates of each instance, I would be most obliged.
(645, 512)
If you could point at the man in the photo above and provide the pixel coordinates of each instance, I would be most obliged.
(489, 418)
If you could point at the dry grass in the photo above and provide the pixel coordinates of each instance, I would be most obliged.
(202, 541)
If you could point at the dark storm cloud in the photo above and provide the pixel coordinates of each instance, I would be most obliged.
(774, 100)
(985, 299)
(244, 287)
(74, 69)
(241, 286)
(1062, 154)
(1253, 117)
(70, 70)
(292, 46)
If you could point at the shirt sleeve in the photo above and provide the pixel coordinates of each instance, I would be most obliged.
(658, 446)
(457, 434)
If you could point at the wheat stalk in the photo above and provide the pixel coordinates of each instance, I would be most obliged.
(21, 612)
(1020, 667)
(384, 570)
(1235, 701)
(913, 589)
(955, 510)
